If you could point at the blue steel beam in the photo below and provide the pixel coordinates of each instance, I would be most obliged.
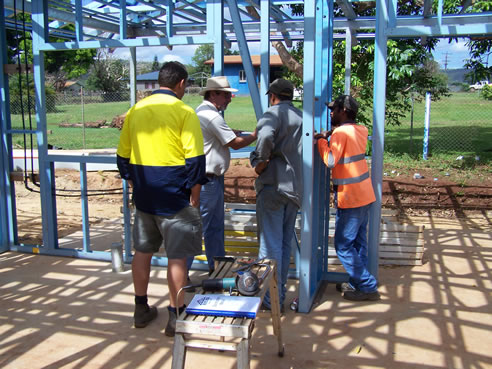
(307, 283)
(379, 98)
(8, 222)
(246, 58)
(216, 8)
(324, 62)
(265, 53)
(46, 169)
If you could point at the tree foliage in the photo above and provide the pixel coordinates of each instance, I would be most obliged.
(108, 74)
(486, 92)
(60, 66)
(155, 64)
(202, 54)
(411, 70)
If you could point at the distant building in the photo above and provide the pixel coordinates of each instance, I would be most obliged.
(233, 70)
(235, 73)
(148, 81)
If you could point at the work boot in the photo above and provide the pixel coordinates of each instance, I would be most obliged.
(143, 315)
(171, 323)
(361, 296)
(344, 287)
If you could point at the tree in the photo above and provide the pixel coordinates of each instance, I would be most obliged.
(155, 64)
(202, 54)
(60, 66)
(108, 74)
(480, 48)
(411, 71)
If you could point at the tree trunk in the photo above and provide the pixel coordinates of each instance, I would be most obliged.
(289, 62)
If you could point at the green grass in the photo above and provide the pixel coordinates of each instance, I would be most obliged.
(460, 125)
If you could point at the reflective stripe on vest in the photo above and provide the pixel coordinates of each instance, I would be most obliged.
(345, 181)
(352, 159)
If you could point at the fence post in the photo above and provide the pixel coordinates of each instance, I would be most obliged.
(427, 123)
(411, 126)
(83, 119)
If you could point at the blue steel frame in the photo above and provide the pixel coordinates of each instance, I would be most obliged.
(219, 22)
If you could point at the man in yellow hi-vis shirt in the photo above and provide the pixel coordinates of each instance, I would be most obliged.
(161, 153)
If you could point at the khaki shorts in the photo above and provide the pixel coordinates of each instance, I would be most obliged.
(181, 233)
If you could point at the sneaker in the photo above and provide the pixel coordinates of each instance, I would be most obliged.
(344, 287)
(361, 296)
(143, 315)
(171, 324)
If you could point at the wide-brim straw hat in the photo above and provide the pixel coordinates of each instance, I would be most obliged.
(218, 84)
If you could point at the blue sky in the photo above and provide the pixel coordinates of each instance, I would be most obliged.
(457, 52)
(454, 52)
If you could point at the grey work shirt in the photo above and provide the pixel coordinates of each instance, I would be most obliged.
(280, 142)
(216, 135)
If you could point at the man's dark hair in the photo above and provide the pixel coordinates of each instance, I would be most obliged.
(351, 114)
(284, 98)
(171, 74)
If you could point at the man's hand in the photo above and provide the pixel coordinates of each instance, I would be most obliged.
(324, 134)
(195, 195)
(260, 167)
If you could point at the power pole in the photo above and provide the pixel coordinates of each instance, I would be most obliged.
(446, 60)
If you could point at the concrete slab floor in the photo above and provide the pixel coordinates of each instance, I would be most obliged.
(71, 313)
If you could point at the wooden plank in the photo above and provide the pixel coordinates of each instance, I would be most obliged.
(211, 345)
(400, 255)
(209, 327)
(401, 248)
(399, 262)
(240, 233)
(19, 176)
(402, 228)
(401, 241)
(16, 68)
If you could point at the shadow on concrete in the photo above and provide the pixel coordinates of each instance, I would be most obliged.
(73, 313)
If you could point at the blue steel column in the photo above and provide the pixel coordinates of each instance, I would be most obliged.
(218, 34)
(379, 94)
(265, 52)
(133, 75)
(348, 59)
(322, 90)
(46, 169)
(84, 199)
(426, 125)
(245, 56)
(8, 223)
(307, 282)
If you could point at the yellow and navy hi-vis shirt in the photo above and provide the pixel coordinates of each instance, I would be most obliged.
(161, 151)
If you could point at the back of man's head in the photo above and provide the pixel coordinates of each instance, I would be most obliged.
(283, 88)
(171, 74)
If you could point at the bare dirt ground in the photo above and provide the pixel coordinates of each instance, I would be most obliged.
(447, 196)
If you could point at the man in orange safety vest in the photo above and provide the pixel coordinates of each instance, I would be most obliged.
(344, 153)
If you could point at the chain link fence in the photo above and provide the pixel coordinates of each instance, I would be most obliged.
(460, 125)
(75, 120)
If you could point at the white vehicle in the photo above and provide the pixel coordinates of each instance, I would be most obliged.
(479, 85)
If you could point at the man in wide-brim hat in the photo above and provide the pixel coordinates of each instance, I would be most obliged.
(219, 83)
(218, 137)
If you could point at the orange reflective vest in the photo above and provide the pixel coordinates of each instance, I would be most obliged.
(345, 155)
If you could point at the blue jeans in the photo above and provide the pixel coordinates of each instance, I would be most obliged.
(212, 212)
(276, 218)
(351, 246)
